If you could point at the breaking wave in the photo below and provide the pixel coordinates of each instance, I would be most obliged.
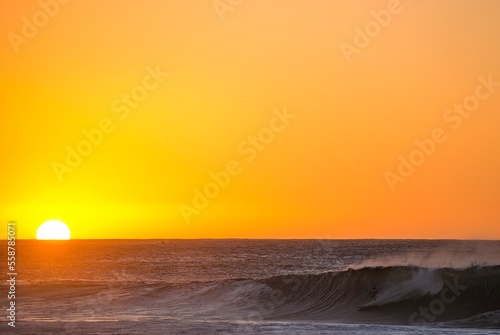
(468, 297)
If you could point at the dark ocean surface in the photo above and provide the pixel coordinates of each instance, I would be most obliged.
(255, 287)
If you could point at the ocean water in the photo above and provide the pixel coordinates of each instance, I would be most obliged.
(255, 287)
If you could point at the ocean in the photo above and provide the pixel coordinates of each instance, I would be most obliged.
(255, 287)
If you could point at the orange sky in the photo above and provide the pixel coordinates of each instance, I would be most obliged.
(170, 92)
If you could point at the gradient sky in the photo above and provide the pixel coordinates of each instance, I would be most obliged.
(323, 175)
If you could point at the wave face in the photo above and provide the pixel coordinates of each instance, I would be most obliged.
(406, 295)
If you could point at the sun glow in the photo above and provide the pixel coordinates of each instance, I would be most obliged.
(53, 230)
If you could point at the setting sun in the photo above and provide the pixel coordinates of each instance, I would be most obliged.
(53, 230)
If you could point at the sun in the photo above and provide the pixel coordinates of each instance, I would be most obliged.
(53, 230)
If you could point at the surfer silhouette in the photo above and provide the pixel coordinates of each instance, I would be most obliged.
(373, 294)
